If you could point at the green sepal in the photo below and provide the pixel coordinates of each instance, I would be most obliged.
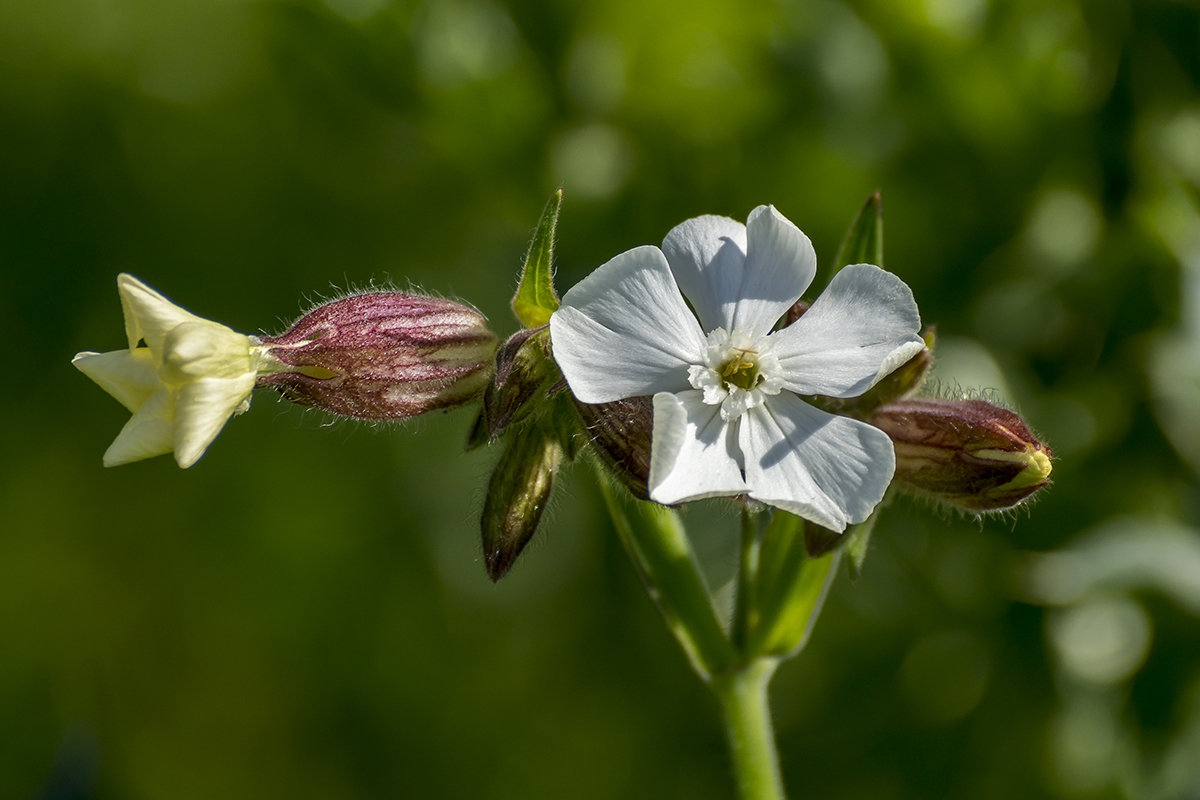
(563, 420)
(525, 380)
(517, 495)
(656, 541)
(864, 241)
(536, 299)
(789, 590)
(858, 539)
(853, 541)
(619, 433)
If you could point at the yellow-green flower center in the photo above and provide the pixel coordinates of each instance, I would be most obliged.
(742, 369)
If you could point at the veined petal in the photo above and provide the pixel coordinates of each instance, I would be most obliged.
(692, 453)
(707, 256)
(625, 331)
(862, 327)
(203, 349)
(780, 264)
(828, 469)
(148, 315)
(127, 375)
(202, 408)
(146, 434)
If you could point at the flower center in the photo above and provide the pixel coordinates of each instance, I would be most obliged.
(741, 370)
(738, 371)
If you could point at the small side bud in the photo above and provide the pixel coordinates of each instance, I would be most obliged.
(517, 494)
(967, 453)
(382, 355)
(525, 377)
(620, 434)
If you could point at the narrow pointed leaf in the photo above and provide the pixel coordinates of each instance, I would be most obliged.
(858, 538)
(864, 241)
(791, 590)
(536, 299)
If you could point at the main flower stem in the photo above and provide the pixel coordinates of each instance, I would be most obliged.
(742, 694)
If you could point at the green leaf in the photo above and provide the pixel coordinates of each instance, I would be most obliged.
(656, 541)
(791, 590)
(535, 299)
(864, 241)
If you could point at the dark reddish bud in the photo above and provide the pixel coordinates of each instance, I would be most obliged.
(620, 435)
(968, 453)
(383, 355)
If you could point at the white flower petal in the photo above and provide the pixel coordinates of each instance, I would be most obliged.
(625, 331)
(202, 408)
(693, 454)
(148, 315)
(707, 255)
(127, 375)
(780, 264)
(146, 434)
(862, 327)
(828, 469)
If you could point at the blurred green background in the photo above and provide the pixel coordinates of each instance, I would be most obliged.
(305, 613)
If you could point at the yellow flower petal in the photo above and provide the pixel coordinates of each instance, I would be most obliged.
(202, 408)
(147, 434)
(128, 375)
(148, 315)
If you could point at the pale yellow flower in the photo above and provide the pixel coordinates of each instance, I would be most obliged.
(182, 377)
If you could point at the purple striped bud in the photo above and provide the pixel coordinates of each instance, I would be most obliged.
(382, 355)
(967, 453)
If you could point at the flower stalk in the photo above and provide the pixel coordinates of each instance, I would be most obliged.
(743, 697)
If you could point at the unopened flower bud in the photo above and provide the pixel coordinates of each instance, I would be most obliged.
(967, 453)
(620, 435)
(517, 495)
(383, 355)
(525, 378)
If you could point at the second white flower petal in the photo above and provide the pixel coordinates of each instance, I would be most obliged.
(694, 455)
(780, 264)
(625, 330)
(828, 469)
(708, 256)
(862, 327)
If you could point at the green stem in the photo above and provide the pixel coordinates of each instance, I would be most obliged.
(743, 697)
(657, 544)
(747, 583)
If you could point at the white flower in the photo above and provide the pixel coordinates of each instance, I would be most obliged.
(191, 376)
(727, 418)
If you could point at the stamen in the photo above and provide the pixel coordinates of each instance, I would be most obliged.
(742, 370)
